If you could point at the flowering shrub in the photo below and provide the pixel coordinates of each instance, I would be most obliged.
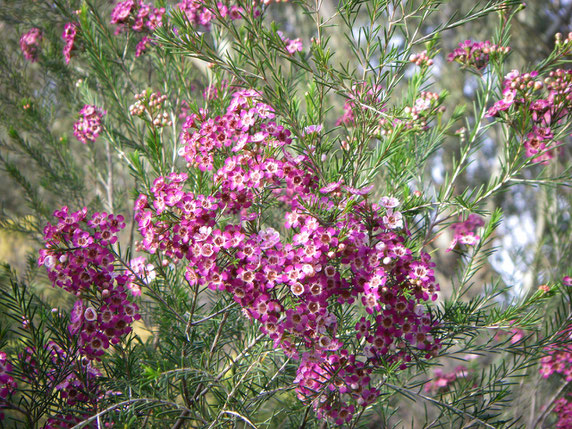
(290, 285)
(275, 256)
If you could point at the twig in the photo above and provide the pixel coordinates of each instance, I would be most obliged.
(548, 407)
(126, 403)
(440, 404)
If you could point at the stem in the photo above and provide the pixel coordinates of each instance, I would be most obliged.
(109, 184)
(440, 404)
(548, 407)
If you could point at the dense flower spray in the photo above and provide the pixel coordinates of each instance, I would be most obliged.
(291, 280)
(79, 260)
(88, 126)
(522, 93)
(559, 357)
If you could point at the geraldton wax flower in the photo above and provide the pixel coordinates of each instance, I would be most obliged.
(69, 35)
(79, 260)
(292, 45)
(545, 103)
(476, 54)
(30, 44)
(465, 232)
(563, 408)
(293, 277)
(559, 357)
(7, 383)
(88, 126)
(198, 14)
(139, 17)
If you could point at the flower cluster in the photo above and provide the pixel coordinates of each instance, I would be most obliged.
(421, 59)
(235, 129)
(7, 383)
(423, 103)
(521, 94)
(441, 381)
(559, 357)
(291, 281)
(137, 16)
(559, 360)
(88, 127)
(476, 54)
(465, 231)
(78, 260)
(30, 44)
(69, 35)
(68, 373)
(78, 383)
(563, 408)
(198, 14)
(292, 45)
(149, 106)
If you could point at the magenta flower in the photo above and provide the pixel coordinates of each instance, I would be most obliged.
(475, 54)
(30, 44)
(88, 127)
(69, 35)
(464, 232)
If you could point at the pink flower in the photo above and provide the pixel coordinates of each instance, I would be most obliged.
(30, 44)
(475, 54)
(88, 127)
(142, 46)
(69, 35)
(312, 129)
(464, 232)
